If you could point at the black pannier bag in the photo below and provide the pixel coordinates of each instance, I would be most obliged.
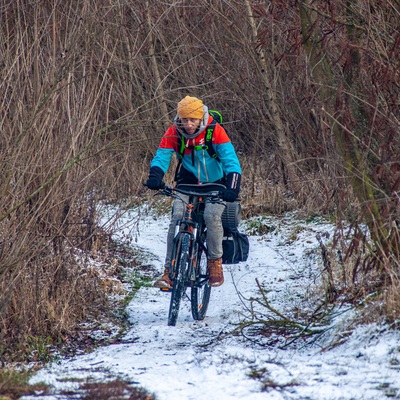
(235, 245)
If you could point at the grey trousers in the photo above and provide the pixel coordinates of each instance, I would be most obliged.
(212, 218)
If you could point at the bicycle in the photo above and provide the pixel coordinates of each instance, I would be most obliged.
(189, 252)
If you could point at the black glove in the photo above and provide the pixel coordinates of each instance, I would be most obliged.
(229, 195)
(155, 180)
(232, 190)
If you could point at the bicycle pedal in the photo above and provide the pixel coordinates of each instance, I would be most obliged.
(165, 289)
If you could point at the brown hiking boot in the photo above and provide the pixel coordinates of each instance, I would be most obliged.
(216, 274)
(164, 282)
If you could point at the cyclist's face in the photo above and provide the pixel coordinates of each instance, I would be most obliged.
(190, 124)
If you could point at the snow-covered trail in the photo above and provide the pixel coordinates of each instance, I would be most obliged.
(200, 360)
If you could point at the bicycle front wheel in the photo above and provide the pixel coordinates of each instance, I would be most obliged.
(201, 290)
(180, 284)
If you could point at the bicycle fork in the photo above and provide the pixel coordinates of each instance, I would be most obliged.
(192, 251)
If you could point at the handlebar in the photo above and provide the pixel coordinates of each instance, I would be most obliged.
(207, 190)
(213, 191)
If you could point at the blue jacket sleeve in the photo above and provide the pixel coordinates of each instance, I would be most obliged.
(229, 159)
(162, 159)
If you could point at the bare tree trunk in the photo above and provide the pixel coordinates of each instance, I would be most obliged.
(285, 147)
(346, 140)
(159, 92)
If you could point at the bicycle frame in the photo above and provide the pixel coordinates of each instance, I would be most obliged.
(192, 224)
(189, 253)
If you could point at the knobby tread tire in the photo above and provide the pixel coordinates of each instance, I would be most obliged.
(180, 284)
(200, 294)
(231, 216)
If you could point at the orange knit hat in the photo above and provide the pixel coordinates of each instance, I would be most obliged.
(190, 107)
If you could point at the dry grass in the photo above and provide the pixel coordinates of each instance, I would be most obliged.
(14, 384)
(114, 390)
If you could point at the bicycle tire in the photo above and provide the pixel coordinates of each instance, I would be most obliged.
(201, 290)
(180, 284)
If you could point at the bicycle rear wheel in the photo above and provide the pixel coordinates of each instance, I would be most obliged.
(179, 286)
(201, 290)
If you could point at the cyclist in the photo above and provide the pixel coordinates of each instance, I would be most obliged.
(197, 167)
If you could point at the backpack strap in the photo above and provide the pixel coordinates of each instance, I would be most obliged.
(180, 152)
(208, 142)
(206, 146)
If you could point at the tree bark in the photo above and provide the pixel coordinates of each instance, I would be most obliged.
(284, 144)
(159, 92)
(346, 138)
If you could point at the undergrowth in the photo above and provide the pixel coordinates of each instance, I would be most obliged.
(14, 384)
(120, 273)
(115, 390)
